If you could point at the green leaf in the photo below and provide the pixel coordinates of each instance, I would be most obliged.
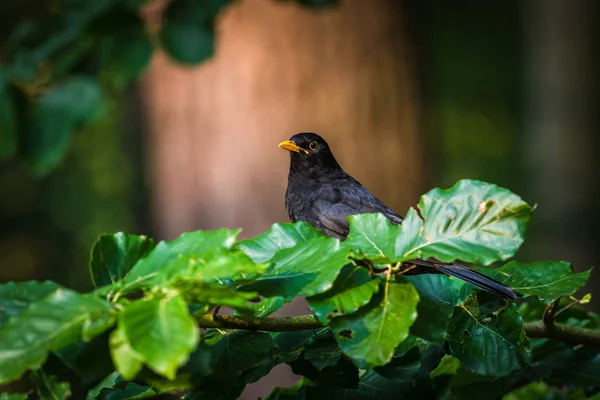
(187, 33)
(343, 373)
(125, 49)
(488, 340)
(306, 269)
(188, 245)
(373, 235)
(404, 368)
(548, 280)
(13, 396)
(54, 117)
(126, 391)
(290, 345)
(448, 366)
(281, 236)
(48, 324)
(370, 335)
(351, 290)
(91, 360)
(219, 266)
(473, 221)
(239, 351)
(215, 295)
(8, 123)
(15, 297)
(126, 360)
(322, 350)
(532, 391)
(114, 255)
(48, 387)
(438, 296)
(576, 366)
(267, 306)
(468, 385)
(160, 333)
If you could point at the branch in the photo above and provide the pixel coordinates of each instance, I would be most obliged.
(563, 333)
(280, 324)
(535, 330)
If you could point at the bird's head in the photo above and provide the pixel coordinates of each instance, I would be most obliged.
(308, 151)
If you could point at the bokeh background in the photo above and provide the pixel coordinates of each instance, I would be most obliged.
(410, 95)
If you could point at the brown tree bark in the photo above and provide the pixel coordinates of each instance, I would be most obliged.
(561, 132)
(345, 73)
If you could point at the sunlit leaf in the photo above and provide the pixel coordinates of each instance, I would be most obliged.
(267, 306)
(353, 289)
(281, 236)
(448, 366)
(160, 333)
(473, 221)
(219, 295)
(127, 362)
(47, 324)
(370, 335)
(306, 269)
(188, 245)
(548, 280)
(114, 255)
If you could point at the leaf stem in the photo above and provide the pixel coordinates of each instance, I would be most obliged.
(535, 330)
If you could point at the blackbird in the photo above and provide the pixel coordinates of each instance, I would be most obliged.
(320, 192)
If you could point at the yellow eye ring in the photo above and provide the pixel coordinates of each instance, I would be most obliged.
(313, 146)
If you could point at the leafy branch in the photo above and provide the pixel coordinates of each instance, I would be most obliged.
(534, 330)
(369, 335)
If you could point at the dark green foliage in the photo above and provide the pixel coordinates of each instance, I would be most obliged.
(383, 335)
(65, 65)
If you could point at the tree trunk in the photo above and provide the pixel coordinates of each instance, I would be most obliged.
(562, 131)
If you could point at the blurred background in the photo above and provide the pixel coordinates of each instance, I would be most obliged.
(127, 115)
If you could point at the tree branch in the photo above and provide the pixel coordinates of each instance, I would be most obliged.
(563, 333)
(279, 324)
(535, 330)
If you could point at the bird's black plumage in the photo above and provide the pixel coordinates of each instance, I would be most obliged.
(320, 192)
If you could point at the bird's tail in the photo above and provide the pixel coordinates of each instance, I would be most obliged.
(468, 275)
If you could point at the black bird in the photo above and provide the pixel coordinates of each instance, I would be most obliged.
(320, 192)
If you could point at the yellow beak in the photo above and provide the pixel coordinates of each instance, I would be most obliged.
(291, 146)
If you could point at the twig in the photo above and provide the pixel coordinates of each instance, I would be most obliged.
(550, 313)
(565, 308)
(538, 330)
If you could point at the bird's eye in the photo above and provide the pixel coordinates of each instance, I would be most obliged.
(313, 146)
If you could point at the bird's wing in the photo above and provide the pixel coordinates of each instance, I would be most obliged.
(330, 218)
(330, 213)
